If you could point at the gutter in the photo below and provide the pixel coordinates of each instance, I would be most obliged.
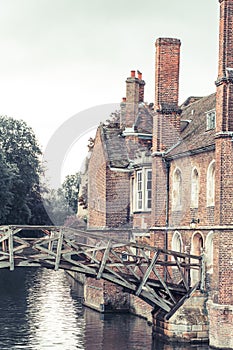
(190, 152)
(121, 170)
(133, 133)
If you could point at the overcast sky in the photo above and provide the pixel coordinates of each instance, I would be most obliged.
(60, 57)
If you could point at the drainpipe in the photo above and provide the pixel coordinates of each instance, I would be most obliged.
(167, 164)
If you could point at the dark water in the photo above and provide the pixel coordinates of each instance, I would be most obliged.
(38, 311)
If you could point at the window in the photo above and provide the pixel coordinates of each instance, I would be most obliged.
(210, 184)
(210, 120)
(148, 189)
(139, 190)
(196, 249)
(177, 244)
(143, 192)
(177, 190)
(194, 188)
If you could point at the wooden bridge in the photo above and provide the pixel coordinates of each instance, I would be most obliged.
(160, 277)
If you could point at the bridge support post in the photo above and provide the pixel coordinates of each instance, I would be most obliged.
(11, 250)
(59, 249)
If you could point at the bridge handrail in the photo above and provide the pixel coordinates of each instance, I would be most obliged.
(107, 238)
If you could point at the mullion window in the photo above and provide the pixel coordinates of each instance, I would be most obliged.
(143, 195)
(148, 189)
(139, 190)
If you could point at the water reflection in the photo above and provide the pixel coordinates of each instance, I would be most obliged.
(39, 311)
(54, 317)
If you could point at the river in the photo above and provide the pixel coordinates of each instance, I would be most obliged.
(40, 311)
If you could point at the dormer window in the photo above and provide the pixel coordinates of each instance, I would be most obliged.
(210, 119)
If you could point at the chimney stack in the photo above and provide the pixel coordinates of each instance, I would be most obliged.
(166, 128)
(134, 95)
(167, 73)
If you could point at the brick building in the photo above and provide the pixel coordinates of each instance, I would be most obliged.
(164, 174)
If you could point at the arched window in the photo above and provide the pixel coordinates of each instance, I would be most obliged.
(209, 252)
(177, 244)
(196, 249)
(194, 188)
(210, 185)
(177, 190)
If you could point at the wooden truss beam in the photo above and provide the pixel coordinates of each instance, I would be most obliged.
(126, 264)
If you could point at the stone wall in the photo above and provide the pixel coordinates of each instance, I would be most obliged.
(188, 324)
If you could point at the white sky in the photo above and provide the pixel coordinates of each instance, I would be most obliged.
(60, 57)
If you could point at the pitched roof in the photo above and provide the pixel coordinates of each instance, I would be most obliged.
(115, 147)
(119, 152)
(194, 136)
(144, 120)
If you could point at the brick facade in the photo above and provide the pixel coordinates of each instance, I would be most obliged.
(97, 185)
(192, 185)
(221, 304)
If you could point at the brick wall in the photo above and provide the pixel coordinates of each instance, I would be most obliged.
(221, 325)
(97, 185)
(142, 220)
(224, 181)
(108, 191)
(141, 308)
(117, 198)
(159, 184)
(93, 294)
(184, 214)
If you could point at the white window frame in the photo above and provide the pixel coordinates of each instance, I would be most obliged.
(143, 190)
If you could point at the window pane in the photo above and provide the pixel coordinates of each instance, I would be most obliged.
(139, 190)
(148, 193)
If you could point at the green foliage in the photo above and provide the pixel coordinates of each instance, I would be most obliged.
(21, 161)
(7, 176)
(70, 189)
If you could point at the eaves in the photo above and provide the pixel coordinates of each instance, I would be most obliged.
(188, 153)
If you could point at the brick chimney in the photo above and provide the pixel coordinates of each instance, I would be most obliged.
(134, 95)
(167, 121)
(167, 73)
